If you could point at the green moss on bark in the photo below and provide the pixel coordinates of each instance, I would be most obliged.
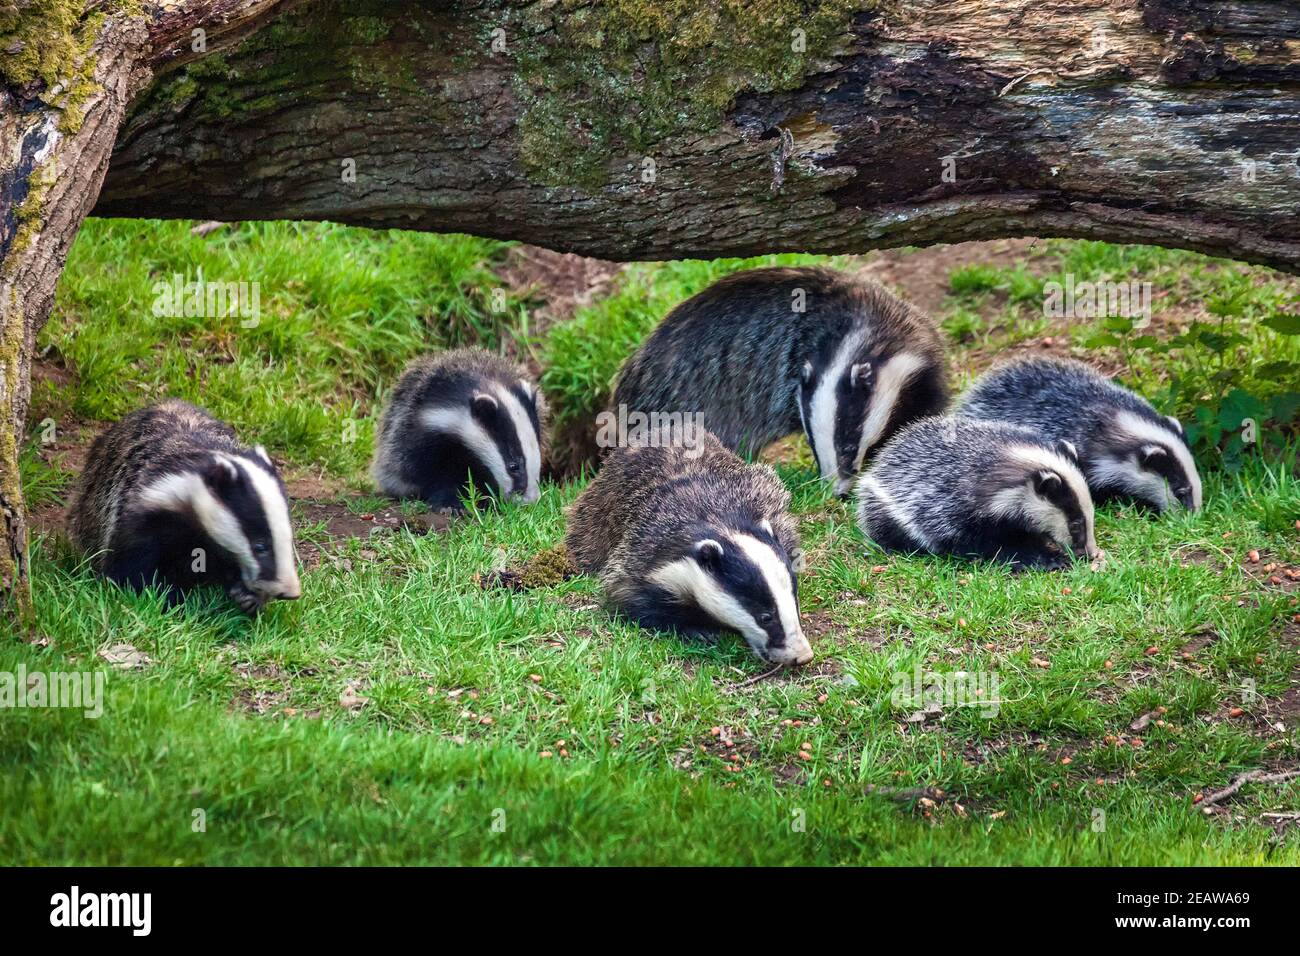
(618, 78)
(50, 41)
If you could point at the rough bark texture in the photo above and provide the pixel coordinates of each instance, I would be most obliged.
(68, 72)
(1167, 121)
(643, 129)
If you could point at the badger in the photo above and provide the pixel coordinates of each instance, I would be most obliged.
(170, 496)
(766, 353)
(977, 489)
(693, 540)
(460, 421)
(1127, 448)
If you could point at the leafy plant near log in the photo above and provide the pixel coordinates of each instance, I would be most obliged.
(1229, 371)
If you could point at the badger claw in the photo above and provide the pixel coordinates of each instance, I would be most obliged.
(246, 600)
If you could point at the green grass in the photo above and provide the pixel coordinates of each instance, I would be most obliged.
(342, 310)
(466, 688)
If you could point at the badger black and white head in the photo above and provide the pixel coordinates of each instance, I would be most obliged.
(1127, 449)
(766, 353)
(978, 489)
(694, 541)
(169, 496)
(458, 420)
(859, 396)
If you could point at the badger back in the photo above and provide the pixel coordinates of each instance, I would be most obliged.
(1126, 447)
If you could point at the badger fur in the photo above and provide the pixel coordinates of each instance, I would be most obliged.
(978, 489)
(694, 541)
(459, 421)
(1127, 448)
(765, 353)
(169, 496)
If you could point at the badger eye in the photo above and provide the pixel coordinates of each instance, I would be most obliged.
(766, 619)
(261, 547)
(514, 468)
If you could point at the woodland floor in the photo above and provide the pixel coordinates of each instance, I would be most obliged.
(442, 694)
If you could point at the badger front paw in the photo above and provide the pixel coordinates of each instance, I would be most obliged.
(247, 601)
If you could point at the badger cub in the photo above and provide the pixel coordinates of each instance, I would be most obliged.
(1126, 447)
(460, 421)
(696, 541)
(978, 489)
(769, 352)
(169, 496)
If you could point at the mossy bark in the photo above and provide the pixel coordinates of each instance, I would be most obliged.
(667, 128)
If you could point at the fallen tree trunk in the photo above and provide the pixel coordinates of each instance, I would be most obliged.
(632, 130)
(635, 129)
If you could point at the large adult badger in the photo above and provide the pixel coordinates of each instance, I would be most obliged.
(978, 489)
(459, 421)
(696, 541)
(169, 495)
(764, 353)
(1127, 448)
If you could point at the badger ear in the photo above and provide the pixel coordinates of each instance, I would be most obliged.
(1150, 454)
(766, 526)
(260, 451)
(708, 552)
(1046, 482)
(483, 405)
(1178, 426)
(805, 374)
(1068, 451)
(860, 375)
(220, 472)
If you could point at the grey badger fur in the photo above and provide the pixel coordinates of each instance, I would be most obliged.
(978, 489)
(1126, 447)
(694, 541)
(169, 495)
(849, 370)
(456, 421)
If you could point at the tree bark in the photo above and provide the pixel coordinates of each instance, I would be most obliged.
(1174, 122)
(68, 71)
(636, 129)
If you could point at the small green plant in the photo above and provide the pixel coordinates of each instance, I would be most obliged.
(1234, 381)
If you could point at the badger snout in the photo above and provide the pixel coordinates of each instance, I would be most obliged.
(528, 496)
(277, 590)
(796, 652)
(844, 486)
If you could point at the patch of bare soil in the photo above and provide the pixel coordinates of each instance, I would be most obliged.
(342, 524)
(554, 284)
(921, 276)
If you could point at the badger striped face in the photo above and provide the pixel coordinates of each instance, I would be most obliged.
(858, 401)
(241, 505)
(1052, 498)
(1148, 460)
(745, 583)
(500, 428)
